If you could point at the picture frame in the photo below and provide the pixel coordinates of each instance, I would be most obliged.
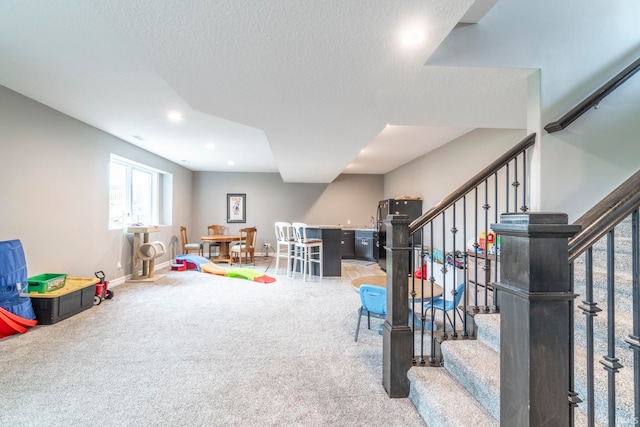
(236, 208)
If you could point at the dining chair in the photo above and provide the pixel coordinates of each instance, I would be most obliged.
(246, 246)
(374, 304)
(213, 230)
(186, 246)
(284, 244)
(448, 305)
(307, 251)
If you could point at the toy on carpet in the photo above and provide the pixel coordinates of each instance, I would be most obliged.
(11, 323)
(16, 311)
(204, 265)
(102, 289)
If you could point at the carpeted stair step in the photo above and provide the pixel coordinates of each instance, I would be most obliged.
(623, 288)
(488, 330)
(489, 334)
(623, 328)
(624, 387)
(477, 368)
(622, 264)
(624, 228)
(442, 401)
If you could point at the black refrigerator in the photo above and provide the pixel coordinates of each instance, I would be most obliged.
(411, 208)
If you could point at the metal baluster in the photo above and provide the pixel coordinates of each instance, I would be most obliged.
(432, 279)
(476, 309)
(524, 207)
(444, 274)
(634, 340)
(423, 316)
(495, 197)
(590, 310)
(454, 230)
(515, 184)
(573, 396)
(507, 187)
(494, 270)
(412, 293)
(611, 362)
(486, 208)
(464, 266)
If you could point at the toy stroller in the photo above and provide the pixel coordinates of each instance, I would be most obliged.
(102, 289)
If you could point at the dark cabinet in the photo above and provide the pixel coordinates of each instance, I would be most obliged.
(331, 263)
(347, 242)
(365, 241)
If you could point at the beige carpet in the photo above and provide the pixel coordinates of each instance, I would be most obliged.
(200, 350)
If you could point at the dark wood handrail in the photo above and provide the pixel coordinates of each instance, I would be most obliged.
(472, 183)
(594, 99)
(608, 213)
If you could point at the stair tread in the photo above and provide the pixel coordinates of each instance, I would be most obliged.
(477, 367)
(490, 324)
(442, 401)
(489, 330)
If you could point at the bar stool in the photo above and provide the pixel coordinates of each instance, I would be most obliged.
(284, 240)
(307, 251)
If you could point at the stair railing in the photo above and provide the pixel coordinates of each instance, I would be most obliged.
(606, 336)
(594, 99)
(453, 256)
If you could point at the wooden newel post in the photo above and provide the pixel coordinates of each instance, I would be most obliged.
(536, 302)
(397, 344)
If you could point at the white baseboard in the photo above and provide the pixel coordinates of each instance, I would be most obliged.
(159, 267)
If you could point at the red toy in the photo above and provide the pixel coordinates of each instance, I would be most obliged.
(102, 289)
(180, 265)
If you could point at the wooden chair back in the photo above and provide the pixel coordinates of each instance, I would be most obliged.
(246, 245)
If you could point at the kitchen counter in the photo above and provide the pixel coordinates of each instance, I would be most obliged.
(341, 227)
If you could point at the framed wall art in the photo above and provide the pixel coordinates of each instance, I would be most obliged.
(236, 208)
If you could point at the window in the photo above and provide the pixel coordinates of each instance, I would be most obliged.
(134, 193)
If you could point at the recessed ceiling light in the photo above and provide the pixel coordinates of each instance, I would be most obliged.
(231, 163)
(413, 37)
(138, 137)
(174, 116)
(210, 146)
(185, 161)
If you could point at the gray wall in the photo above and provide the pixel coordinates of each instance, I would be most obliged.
(435, 175)
(54, 198)
(583, 163)
(350, 198)
(55, 171)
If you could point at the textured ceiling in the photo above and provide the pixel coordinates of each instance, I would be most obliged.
(306, 88)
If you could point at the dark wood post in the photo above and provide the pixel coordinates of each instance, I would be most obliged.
(397, 339)
(535, 303)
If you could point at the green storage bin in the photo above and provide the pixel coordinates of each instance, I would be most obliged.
(46, 282)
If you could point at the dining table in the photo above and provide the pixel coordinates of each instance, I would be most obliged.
(422, 295)
(224, 240)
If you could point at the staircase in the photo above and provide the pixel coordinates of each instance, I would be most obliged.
(623, 326)
(466, 389)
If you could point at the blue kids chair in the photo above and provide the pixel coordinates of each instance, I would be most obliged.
(374, 303)
(448, 305)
